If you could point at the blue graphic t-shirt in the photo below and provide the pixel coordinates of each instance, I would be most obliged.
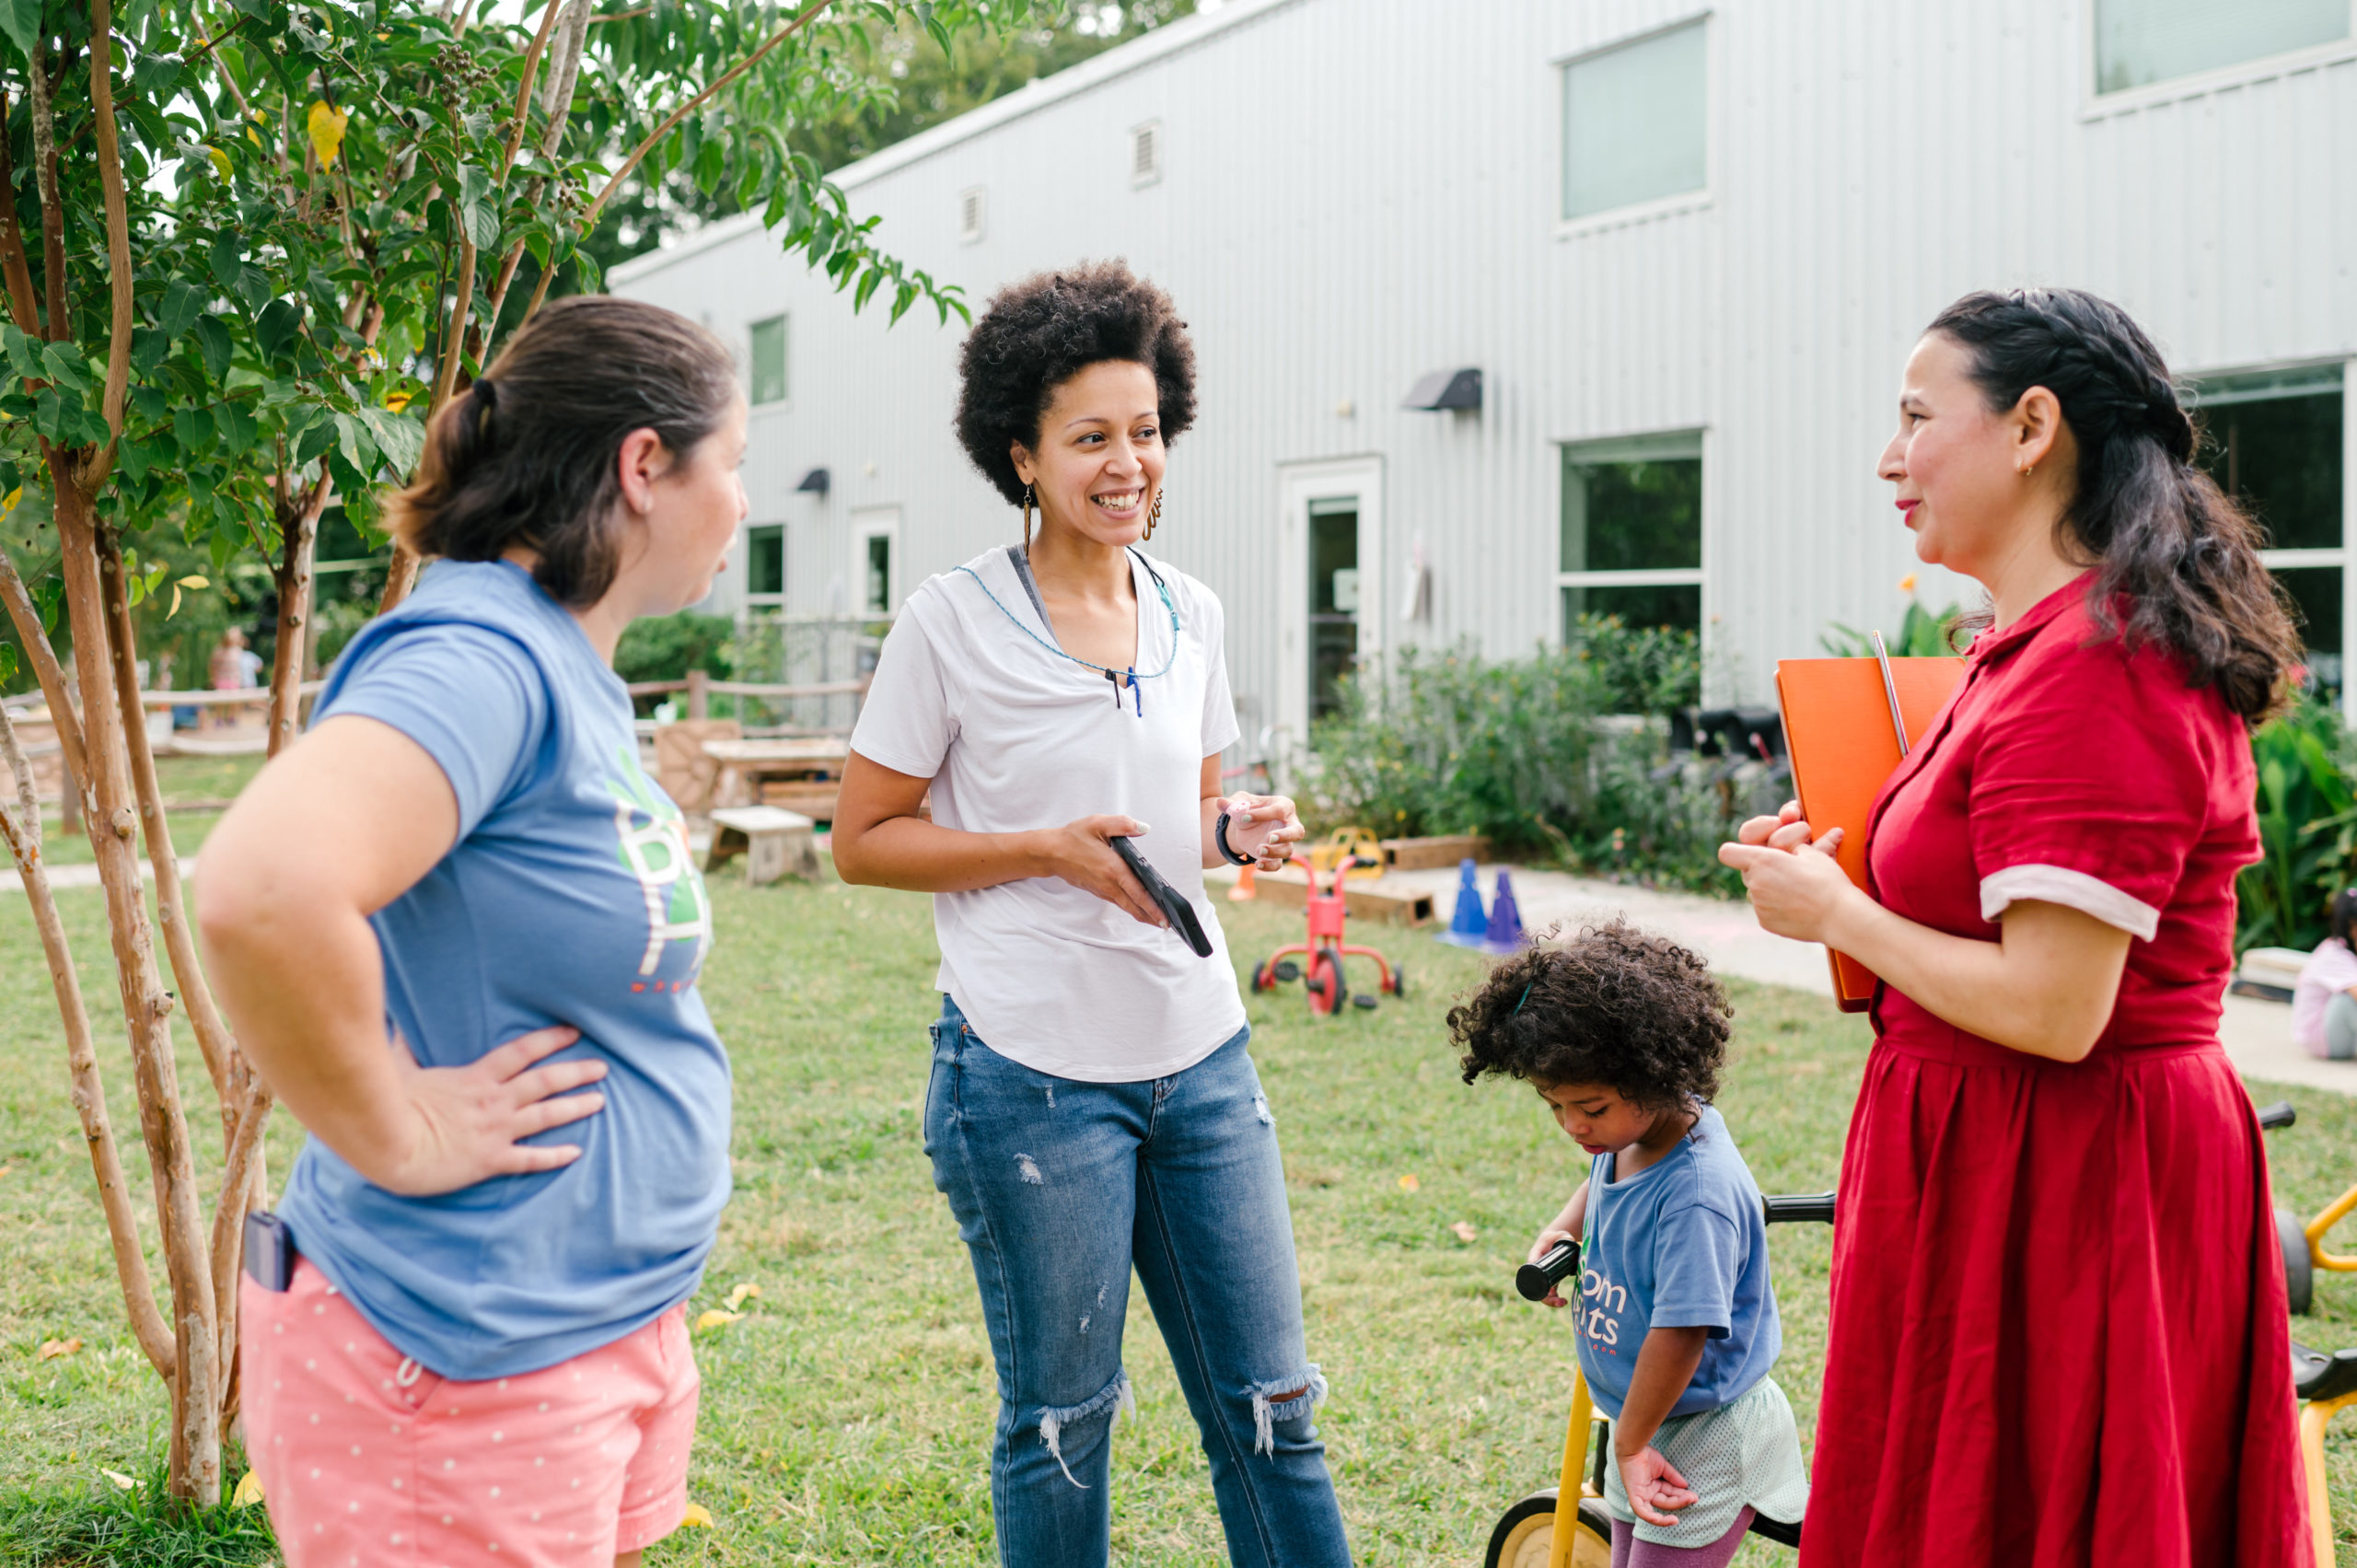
(570, 898)
(1681, 1244)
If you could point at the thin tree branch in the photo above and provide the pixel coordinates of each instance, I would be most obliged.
(52, 212)
(46, 669)
(524, 88)
(240, 1183)
(23, 830)
(299, 532)
(638, 154)
(22, 303)
(223, 35)
(212, 1036)
(118, 241)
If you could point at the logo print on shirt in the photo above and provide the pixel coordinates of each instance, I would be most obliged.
(1599, 1320)
(656, 854)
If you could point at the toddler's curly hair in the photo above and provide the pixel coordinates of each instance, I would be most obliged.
(1613, 1006)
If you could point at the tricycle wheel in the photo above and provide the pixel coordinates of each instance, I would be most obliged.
(1525, 1533)
(1328, 990)
(2299, 1266)
(1260, 976)
(1398, 979)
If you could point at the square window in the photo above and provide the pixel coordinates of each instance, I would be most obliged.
(2280, 455)
(765, 561)
(1636, 119)
(767, 360)
(2139, 43)
(1642, 515)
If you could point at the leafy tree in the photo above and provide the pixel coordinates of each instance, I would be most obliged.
(246, 248)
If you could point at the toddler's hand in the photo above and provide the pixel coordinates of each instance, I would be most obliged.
(1656, 1489)
(1539, 1248)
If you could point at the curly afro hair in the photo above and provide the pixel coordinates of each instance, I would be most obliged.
(1614, 1006)
(1041, 332)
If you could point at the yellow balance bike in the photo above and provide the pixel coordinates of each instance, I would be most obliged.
(2302, 1240)
(1538, 1531)
(2324, 1385)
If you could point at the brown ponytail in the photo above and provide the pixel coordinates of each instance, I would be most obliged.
(528, 456)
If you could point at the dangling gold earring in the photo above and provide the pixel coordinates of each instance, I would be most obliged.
(1154, 516)
(1027, 519)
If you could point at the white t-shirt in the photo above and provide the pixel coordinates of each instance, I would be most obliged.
(2329, 970)
(1015, 736)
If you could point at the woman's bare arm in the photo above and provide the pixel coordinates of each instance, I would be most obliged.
(2046, 988)
(333, 830)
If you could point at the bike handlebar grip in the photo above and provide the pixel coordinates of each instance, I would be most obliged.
(2280, 1114)
(1799, 1207)
(1537, 1280)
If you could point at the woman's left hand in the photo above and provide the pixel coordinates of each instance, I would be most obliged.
(1795, 890)
(1263, 825)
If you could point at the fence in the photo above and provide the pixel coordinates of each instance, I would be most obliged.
(801, 675)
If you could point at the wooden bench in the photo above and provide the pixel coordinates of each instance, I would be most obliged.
(774, 843)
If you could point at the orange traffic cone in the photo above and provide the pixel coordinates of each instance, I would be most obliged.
(1242, 892)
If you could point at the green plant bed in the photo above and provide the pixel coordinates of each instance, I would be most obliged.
(847, 1414)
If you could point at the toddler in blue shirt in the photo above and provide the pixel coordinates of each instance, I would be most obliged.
(1623, 1036)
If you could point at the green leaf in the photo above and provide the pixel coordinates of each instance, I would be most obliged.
(213, 341)
(227, 261)
(178, 312)
(401, 439)
(236, 422)
(192, 428)
(148, 347)
(314, 441)
(7, 661)
(154, 78)
(281, 320)
(20, 19)
(354, 445)
(24, 352)
(65, 365)
(477, 208)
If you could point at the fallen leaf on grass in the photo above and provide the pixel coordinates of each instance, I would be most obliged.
(5, 1169)
(714, 1317)
(249, 1490)
(697, 1518)
(738, 1296)
(1464, 1232)
(1409, 1184)
(121, 1479)
(51, 1349)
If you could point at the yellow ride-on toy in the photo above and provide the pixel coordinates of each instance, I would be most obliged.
(2324, 1385)
(1538, 1532)
(2302, 1240)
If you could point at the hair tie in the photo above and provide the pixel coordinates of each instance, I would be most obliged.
(485, 397)
(1517, 1006)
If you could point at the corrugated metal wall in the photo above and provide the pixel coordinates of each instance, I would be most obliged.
(1357, 192)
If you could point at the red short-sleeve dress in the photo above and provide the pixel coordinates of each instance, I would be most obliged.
(2058, 1333)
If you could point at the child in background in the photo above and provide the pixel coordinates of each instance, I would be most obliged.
(2324, 999)
(1623, 1035)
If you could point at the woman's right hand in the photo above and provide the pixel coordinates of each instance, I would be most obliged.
(1081, 857)
(453, 1127)
(1539, 1248)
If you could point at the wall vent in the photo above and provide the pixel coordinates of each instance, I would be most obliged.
(970, 209)
(1145, 153)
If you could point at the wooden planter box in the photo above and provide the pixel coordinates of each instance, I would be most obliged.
(1424, 854)
(1368, 900)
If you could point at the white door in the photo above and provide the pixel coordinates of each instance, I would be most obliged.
(1333, 618)
(876, 544)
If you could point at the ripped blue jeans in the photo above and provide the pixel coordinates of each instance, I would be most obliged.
(1059, 1188)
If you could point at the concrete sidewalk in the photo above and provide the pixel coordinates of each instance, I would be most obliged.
(2257, 1035)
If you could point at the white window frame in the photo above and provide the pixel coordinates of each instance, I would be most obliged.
(873, 522)
(1658, 206)
(2095, 104)
(1148, 136)
(974, 214)
(1691, 443)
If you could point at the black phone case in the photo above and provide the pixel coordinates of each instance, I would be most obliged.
(270, 1251)
(1181, 912)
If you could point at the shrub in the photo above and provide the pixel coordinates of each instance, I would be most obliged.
(2307, 827)
(665, 647)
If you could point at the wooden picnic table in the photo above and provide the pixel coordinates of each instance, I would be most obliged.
(798, 773)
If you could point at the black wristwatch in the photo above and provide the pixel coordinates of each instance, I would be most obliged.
(1226, 851)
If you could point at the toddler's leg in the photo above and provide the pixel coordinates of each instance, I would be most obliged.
(2340, 1028)
(1628, 1551)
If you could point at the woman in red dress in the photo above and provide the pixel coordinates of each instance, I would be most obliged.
(2059, 1332)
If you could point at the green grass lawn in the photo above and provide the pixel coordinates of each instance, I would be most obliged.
(846, 1418)
(186, 782)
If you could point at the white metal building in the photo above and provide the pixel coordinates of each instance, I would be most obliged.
(1686, 249)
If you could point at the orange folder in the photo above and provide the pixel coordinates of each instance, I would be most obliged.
(1842, 723)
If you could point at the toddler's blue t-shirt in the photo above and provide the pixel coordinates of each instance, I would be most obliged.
(1682, 1244)
(570, 898)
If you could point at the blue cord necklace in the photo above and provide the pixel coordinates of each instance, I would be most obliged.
(1114, 676)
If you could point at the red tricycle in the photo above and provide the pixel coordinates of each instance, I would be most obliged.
(1325, 949)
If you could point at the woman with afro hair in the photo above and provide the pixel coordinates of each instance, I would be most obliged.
(1093, 1106)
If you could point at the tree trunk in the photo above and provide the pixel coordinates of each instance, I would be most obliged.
(195, 1472)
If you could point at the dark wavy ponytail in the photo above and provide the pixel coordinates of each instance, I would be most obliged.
(529, 455)
(2168, 546)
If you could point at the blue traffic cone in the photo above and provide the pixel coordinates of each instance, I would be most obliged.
(1504, 932)
(1468, 927)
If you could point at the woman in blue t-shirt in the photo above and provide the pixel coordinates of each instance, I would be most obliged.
(1623, 1035)
(439, 919)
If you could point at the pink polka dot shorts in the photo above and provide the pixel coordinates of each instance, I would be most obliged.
(368, 1460)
